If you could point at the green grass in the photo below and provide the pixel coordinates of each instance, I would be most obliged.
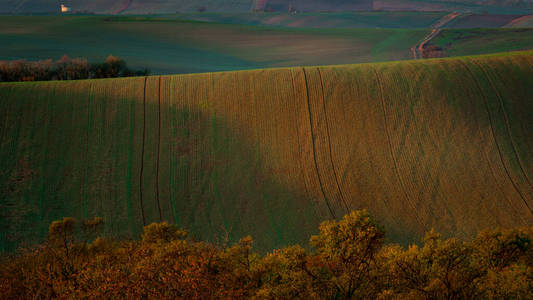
(452, 5)
(244, 6)
(272, 152)
(168, 46)
(457, 42)
(374, 19)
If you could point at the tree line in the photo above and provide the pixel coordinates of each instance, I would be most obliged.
(66, 68)
(347, 259)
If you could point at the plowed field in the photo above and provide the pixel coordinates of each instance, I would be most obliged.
(442, 144)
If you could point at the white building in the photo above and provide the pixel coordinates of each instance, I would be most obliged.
(64, 9)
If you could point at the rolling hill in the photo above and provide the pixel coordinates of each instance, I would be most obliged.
(441, 144)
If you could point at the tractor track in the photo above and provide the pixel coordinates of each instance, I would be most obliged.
(141, 177)
(314, 147)
(89, 117)
(122, 8)
(491, 124)
(391, 150)
(418, 49)
(507, 124)
(306, 188)
(329, 142)
(158, 151)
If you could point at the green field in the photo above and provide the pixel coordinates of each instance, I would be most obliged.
(467, 6)
(367, 19)
(240, 6)
(170, 46)
(458, 42)
(179, 45)
(441, 144)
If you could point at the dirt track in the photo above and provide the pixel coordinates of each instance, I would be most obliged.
(418, 49)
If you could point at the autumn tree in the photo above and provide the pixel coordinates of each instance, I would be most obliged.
(347, 259)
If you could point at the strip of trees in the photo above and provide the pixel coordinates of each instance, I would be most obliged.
(347, 259)
(66, 68)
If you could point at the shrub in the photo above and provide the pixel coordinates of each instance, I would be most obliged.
(65, 69)
(348, 260)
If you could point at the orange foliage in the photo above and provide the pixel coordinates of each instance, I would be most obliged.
(348, 260)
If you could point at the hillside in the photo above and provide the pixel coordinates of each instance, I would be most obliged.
(441, 144)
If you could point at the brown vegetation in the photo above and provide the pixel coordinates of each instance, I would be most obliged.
(65, 68)
(432, 51)
(349, 260)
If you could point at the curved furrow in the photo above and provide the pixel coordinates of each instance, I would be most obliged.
(491, 124)
(395, 164)
(507, 123)
(89, 122)
(247, 152)
(158, 151)
(141, 177)
(300, 163)
(314, 148)
(328, 136)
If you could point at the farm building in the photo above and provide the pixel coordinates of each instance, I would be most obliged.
(64, 8)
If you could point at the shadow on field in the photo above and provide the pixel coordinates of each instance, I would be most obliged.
(82, 154)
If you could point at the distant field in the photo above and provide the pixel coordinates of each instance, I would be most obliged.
(475, 6)
(173, 45)
(522, 22)
(374, 19)
(441, 144)
(457, 42)
(370, 19)
(481, 21)
(170, 46)
(233, 6)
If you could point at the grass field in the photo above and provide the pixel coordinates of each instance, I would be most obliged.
(482, 21)
(233, 6)
(367, 19)
(441, 144)
(370, 19)
(458, 42)
(170, 46)
(522, 22)
(476, 6)
(183, 43)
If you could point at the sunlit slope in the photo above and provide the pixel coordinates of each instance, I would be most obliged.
(442, 144)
